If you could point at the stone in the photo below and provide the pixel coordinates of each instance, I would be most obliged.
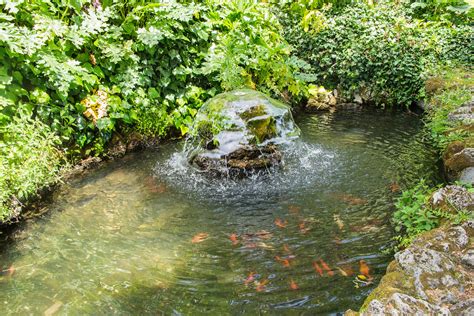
(321, 99)
(433, 276)
(239, 132)
(468, 258)
(460, 161)
(453, 198)
(467, 176)
(463, 114)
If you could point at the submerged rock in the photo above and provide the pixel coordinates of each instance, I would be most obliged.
(238, 132)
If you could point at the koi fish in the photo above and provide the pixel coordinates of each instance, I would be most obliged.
(364, 269)
(394, 187)
(250, 278)
(263, 245)
(286, 248)
(343, 273)
(263, 234)
(339, 221)
(8, 272)
(293, 285)
(261, 285)
(347, 270)
(234, 239)
(350, 199)
(284, 262)
(317, 268)
(326, 267)
(303, 228)
(199, 238)
(280, 223)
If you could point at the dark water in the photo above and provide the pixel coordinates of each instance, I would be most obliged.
(119, 241)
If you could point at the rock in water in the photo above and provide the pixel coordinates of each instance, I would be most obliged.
(239, 132)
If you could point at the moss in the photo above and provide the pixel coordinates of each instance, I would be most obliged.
(262, 128)
(394, 281)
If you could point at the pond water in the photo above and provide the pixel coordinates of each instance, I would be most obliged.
(149, 235)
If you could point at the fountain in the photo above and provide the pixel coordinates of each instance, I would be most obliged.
(239, 132)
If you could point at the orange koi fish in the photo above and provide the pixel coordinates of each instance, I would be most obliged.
(395, 187)
(199, 238)
(303, 228)
(263, 234)
(280, 223)
(284, 262)
(286, 248)
(233, 237)
(317, 268)
(326, 267)
(364, 269)
(261, 285)
(293, 285)
(250, 278)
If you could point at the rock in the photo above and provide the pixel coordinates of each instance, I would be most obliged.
(433, 276)
(239, 132)
(468, 258)
(467, 176)
(321, 99)
(453, 198)
(463, 114)
(459, 161)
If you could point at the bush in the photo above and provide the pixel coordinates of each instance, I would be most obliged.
(379, 52)
(29, 160)
(155, 63)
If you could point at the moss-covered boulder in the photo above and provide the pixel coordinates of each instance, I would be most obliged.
(239, 132)
(433, 276)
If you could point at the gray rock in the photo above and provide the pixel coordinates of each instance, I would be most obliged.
(402, 304)
(464, 114)
(468, 259)
(463, 308)
(467, 175)
(453, 196)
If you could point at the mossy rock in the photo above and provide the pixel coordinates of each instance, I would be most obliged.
(236, 125)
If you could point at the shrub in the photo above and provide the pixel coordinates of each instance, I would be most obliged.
(29, 160)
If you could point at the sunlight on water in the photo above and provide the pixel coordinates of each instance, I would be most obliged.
(149, 234)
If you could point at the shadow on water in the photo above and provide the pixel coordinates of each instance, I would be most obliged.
(291, 240)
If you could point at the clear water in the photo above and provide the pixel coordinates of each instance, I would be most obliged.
(119, 240)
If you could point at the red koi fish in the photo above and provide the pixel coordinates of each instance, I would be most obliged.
(280, 223)
(326, 267)
(199, 238)
(233, 237)
(261, 285)
(293, 285)
(317, 268)
(284, 262)
(250, 278)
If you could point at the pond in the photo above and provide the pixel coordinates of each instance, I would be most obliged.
(147, 234)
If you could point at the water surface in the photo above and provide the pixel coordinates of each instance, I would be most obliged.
(119, 240)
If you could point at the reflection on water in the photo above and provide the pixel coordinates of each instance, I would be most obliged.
(125, 239)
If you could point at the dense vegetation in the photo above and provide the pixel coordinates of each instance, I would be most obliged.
(74, 74)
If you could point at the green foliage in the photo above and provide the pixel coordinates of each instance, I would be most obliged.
(250, 51)
(29, 160)
(380, 52)
(458, 11)
(415, 215)
(452, 89)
